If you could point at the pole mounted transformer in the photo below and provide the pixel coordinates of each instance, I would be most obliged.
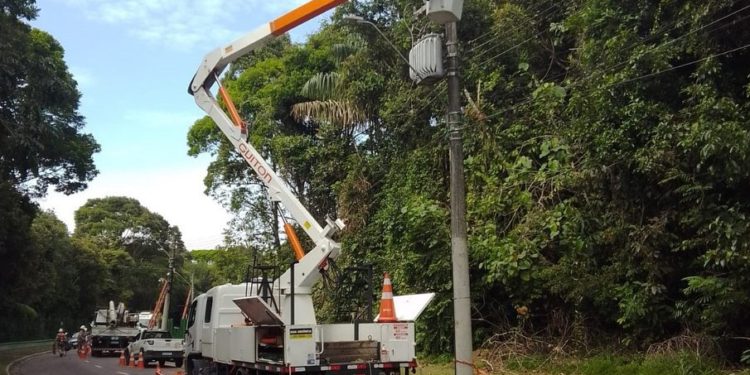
(426, 59)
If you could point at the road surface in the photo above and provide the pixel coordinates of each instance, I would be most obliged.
(70, 364)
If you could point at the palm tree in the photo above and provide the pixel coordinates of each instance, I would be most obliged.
(329, 103)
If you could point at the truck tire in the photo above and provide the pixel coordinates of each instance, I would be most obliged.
(178, 362)
(162, 362)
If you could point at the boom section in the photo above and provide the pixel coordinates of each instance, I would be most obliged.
(206, 76)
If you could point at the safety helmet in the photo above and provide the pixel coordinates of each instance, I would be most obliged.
(60, 330)
(83, 328)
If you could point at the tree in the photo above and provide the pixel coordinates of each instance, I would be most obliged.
(41, 143)
(133, 243)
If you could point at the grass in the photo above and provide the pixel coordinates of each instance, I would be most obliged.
(8, 355)
(604, 364)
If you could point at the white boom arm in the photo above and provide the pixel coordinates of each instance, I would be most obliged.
(307, 271)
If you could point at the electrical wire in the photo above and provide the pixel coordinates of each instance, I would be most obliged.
(688, 33)
(633, 45)
(644, 76)
(531, 22)
(657, 47)
(649, 75)
(533, 18)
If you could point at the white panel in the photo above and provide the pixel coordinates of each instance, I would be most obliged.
(300, 349)
(345, 332)
(258, 311)
(409, 307)
(398, 343)
(243, 343)
(222, 345)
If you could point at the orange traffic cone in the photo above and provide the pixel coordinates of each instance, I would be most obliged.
(158, 369)
(121, 362)
(140, 362)
(132, 360)
(82, 353)
(387, 309)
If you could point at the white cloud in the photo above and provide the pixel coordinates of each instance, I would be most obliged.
(83, 77)
(184, 24)
(177, 195)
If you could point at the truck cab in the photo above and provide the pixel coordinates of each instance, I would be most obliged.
(213, 309)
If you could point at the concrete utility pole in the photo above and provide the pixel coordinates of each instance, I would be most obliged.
(165, 312)
(459, 253)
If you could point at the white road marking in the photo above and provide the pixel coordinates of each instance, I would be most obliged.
(97, 366)
(122, 373)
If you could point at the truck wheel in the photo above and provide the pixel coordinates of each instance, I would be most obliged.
(161, 363)
(142, 358)
(178, 362)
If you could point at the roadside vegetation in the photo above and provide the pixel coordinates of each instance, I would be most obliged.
(677, 363)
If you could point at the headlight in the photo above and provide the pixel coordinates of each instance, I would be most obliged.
(150, 342)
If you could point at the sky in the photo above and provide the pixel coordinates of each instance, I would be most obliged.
(133, 60)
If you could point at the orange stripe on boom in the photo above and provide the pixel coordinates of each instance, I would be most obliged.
(230, 106)
(291, 236)
(302, 14)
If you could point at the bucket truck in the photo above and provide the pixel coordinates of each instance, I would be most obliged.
(240, 329)
(112, 329)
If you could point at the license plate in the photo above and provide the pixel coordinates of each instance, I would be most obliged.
(167, 353)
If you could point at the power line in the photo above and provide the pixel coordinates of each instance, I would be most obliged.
(679, 66)
(633, 45)
(688, 33)
(531, 22)
(645, 76)
(497, 31)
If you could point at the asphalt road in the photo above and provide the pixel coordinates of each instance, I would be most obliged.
(70, 364)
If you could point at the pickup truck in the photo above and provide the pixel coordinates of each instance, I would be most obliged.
(154, 345)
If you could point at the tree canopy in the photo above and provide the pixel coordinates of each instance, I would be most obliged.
(133, 245)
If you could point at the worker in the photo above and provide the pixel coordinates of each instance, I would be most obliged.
(82, 338)
(59, 341)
